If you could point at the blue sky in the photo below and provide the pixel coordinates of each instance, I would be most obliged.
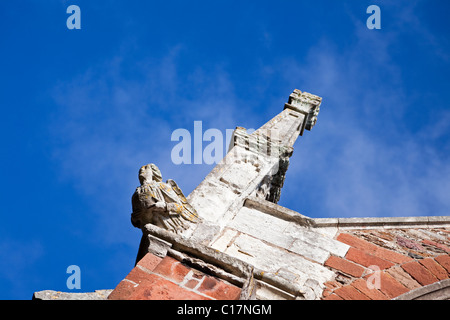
(82, 110)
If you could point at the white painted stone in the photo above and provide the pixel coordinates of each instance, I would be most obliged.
(312, 271)
(310, 237)
(213, 202)
(221, 194)
(262, 226)
(287, 234)
(290, 276)
(224, 240)
(265, 291)
(309, 251)
(329, 232)
(272, 259)
(239, 175)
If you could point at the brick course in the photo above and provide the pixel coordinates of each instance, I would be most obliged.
(172, 269)
(366, 259)
(123, 291)
(217, 289)
(410, 267)
(437, 245)
(137, 275)
(390, 286)
(403, 277)
(419, 273)
(394, 272)
(350, 293)
(158, 288)
(344, 266)
(372, 249)
(372, 293)
(154, 278)
(435, 268)
(444, 261)
(149, 261)
(333, 296)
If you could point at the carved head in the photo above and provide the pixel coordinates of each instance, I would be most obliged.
(148, 173)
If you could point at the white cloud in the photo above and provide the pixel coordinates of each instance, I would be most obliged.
(108, 125)
(363, 158)
(360, 160)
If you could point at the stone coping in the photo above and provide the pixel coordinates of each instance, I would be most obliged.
(385, 222)
(347, 223)
(435, 291)
(58, 295)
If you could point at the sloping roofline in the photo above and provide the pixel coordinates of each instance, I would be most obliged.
(348, 223)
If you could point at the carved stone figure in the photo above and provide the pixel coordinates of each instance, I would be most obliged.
(159, 203)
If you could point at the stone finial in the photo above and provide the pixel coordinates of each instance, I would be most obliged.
(305, 103)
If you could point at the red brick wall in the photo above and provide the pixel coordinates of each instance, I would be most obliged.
(382, 265)
(156, 278)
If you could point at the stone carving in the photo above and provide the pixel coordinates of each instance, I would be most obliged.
(159, 203)
(270, 187)
(265, 143)
(305, 103)
(278, 180)
(263, 189)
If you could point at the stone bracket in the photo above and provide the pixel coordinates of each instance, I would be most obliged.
(307, 104)
(157, 246)
(259, 143)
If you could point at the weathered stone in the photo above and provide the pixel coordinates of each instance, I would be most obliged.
(255, 162)
(157, 246)
(419, 273)
(272, 259)
(263, 226)
(408, 243)
(372, 293)
(162, 204)
(279, 211)
(265, 291)
(436, 291)
(435, 268)
(58, 295)
(224, 240)
(345, 266)
(309, 237)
